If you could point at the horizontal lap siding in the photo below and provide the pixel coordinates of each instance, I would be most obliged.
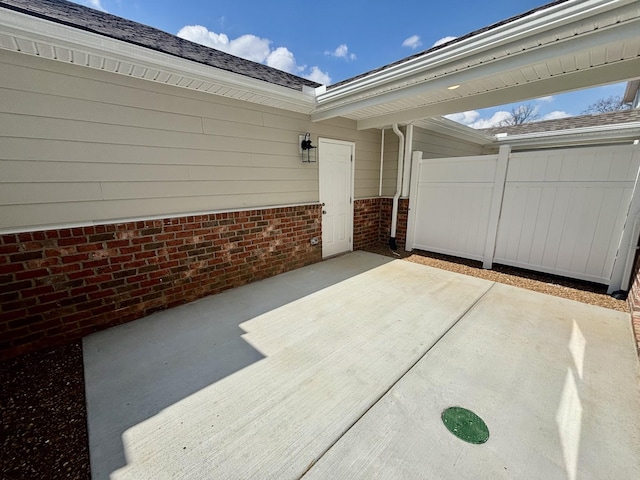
(79, 145)
(390, 167)
(436, 145)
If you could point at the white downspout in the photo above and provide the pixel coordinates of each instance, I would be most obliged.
(394, 210)
(381, 162)
(408, 147)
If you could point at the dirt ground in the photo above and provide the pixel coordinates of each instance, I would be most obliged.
(44, 429)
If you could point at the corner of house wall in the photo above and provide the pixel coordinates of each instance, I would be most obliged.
(633, 300)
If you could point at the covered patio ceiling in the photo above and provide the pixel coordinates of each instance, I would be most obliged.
(562, 47)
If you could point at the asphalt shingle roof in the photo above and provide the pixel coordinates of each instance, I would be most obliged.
(581, 121)
(84, 18)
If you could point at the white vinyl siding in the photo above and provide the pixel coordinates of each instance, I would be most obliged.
(79, 145)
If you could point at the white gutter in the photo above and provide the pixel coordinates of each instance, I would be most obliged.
(454, 129)
(408, 147)
(381, 162)
(394, 210)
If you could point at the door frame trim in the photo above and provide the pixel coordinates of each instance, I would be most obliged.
(352, 145)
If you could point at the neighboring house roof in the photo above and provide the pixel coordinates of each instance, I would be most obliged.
(581, 121)
(84, 18)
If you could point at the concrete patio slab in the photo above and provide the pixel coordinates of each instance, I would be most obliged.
(301, 373)
(555, 381)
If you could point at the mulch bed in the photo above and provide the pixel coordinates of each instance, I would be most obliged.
(44, 427)
(42, 402)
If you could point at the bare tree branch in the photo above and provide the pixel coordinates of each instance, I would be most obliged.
(519, 115)
(605, 105)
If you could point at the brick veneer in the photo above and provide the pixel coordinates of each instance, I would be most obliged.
(366, 223)
(372, 222)
(59, 285)
(634, 301)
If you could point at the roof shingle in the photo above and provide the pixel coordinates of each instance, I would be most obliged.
(581, 121)
(84, 18)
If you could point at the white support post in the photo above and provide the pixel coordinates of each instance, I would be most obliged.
(496, 205)
(413, 198)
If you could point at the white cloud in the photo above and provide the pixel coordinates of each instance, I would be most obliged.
(253, 48)
(465, 118)
(92, 3)
(317, 75)
(412, 42)
(282, 59)
(342, 51)
(246, 46)
(472, 119)
(548, 99)
(443, 40)
(556, 114)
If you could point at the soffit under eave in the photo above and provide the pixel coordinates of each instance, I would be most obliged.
(32, 36)
(610, 73)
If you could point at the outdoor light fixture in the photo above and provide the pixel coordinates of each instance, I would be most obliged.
(453, 87)
(306, 148)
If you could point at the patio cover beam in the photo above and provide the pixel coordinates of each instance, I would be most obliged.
(586, 30)
(601, 75)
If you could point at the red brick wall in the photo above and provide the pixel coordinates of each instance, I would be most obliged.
(58, 285)
(634, 301)
(366, 223)
(372, 222)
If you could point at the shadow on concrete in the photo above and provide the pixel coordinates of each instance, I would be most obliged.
(134, 371)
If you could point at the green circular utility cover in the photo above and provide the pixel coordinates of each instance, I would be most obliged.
(465, 425)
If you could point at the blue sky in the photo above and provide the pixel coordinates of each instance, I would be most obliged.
(330, 41)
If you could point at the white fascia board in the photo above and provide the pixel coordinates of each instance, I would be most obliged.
(33, 29)
(631, 91)
(530, 26)
(454, 129)
(577, 136)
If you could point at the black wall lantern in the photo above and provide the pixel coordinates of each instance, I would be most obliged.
(307, 150)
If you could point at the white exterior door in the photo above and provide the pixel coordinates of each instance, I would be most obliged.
(336, 187)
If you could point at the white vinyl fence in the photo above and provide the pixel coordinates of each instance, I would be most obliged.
(559, 211)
